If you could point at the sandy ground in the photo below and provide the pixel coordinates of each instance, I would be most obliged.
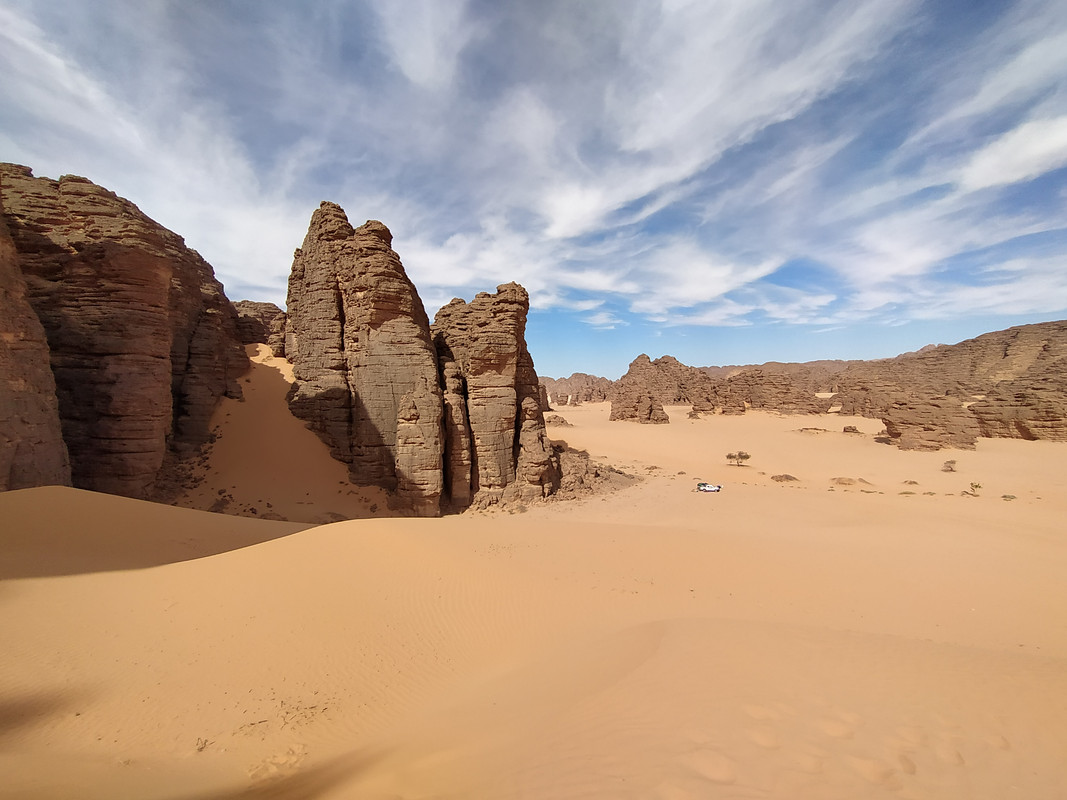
(887, 637)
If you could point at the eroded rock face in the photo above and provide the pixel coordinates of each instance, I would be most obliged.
(445, 417)
(491, 383)
(930, 424)
(143, 341)
(633, 394)
(32, 451)
(365, 367)
(577, 389)
(261, 323)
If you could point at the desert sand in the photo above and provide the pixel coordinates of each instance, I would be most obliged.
(864, 631)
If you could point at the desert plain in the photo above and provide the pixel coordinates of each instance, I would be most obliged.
(876, 628)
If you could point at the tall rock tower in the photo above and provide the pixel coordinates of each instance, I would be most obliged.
(365, 367)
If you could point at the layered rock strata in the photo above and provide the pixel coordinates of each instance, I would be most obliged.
(365, 366)
(635, 397)
(579, 388)
(142, 340)
(261, 323)
(444, 417)
(32, 451)
(491, 384)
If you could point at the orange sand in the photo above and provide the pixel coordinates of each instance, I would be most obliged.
(777, 640)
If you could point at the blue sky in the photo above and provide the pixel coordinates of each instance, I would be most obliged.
(725, 181)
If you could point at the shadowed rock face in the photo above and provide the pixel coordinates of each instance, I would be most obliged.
(32, 451)
(364, 364)
(261, 323)
(142, 339)
(493, 399)
(445, 417)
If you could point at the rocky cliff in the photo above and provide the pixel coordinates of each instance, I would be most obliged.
(444, 418)
(261, 323)
(32, 451)
(142, 340)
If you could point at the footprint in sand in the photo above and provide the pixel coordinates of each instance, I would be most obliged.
(712, 765)
(767, 714)
(948, 754)
(764, 737)
(841, 726)
(999, 742)
(876, 771)
(907, 766)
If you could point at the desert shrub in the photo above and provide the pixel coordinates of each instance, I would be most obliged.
(949, 466)
(975, 487)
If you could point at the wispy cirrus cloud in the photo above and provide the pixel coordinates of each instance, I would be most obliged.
(635, 164)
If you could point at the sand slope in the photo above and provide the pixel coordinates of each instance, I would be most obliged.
(808, 639)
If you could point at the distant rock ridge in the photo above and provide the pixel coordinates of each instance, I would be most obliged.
(577, 389)
(1010, 383)
(142, 341)
(445, 417)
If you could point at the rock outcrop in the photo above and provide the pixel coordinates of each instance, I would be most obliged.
(1010, 383)
(481, 346)
(32, 451)
(578, 388)
(444, 417)
(633, 398)
(261, 323)
(930, 424)
(142, 340)
(364, 363)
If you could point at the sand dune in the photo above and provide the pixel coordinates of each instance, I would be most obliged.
(805, 639)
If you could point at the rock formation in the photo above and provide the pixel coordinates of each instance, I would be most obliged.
(142, 340)
(633, 397)
(365, 367)
(1010, 383)
(445, 418)
(481, 346)
(930, 424)
(578, 388)
(261, 323)
(32, 451)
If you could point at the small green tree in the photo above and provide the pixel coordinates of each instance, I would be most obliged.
(738, 458)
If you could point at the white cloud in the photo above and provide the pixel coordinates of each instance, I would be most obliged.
(1032, 149)
(426, 38)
